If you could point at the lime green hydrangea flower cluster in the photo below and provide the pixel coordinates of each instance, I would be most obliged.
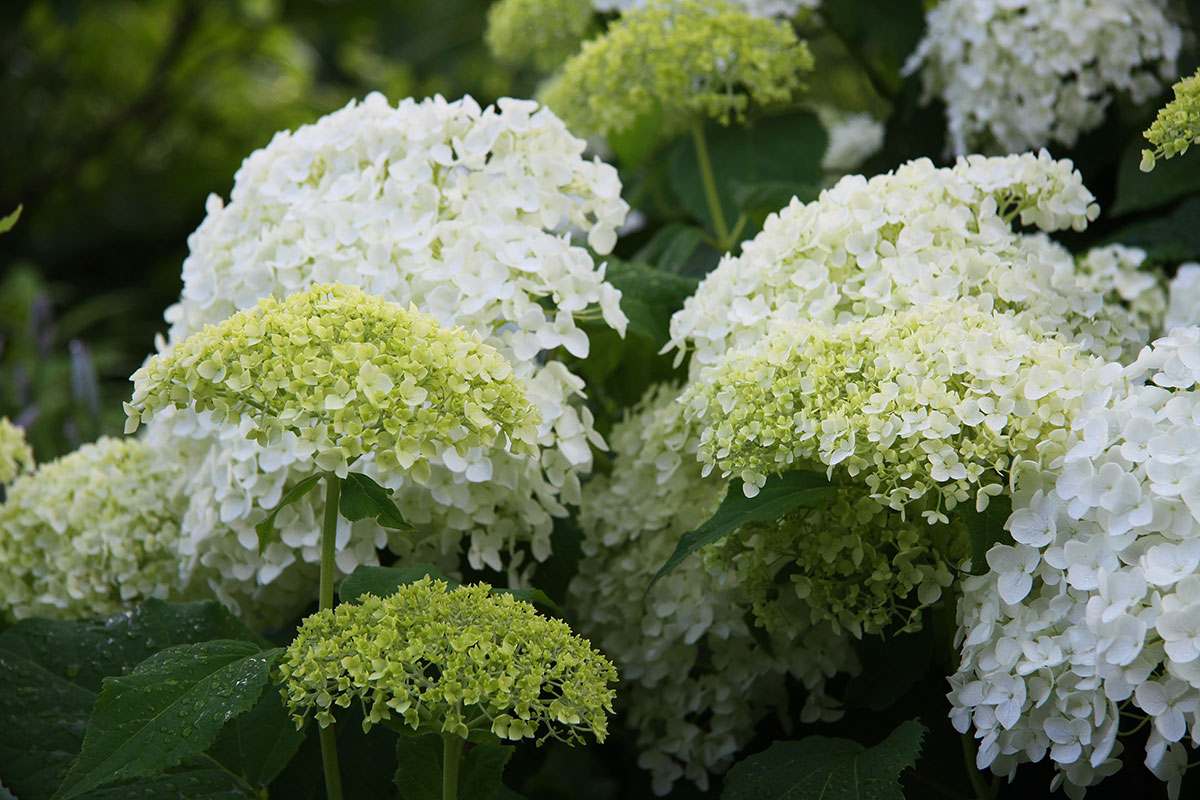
(855, 564)
(92, 532)
(542, 33)
(16, 456)
(346, 375)
(688, 59)
(449, 661)
(1177, 126)
(944, 400)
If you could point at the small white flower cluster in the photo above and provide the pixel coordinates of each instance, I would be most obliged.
(755, 8)
(1094, 611)
(1183, 303)
(1018, 74)
(853, 138)
(899, 240)
(92, 532)
(696, 679)
(466, 213)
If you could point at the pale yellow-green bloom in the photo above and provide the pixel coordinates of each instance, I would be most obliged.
(449, 661)
(688, 59)
(345, 375)
(1177, 126)
(543, 33)
(16, 456)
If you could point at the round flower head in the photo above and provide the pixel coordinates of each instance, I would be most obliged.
(469, 214)
(697, 676)
(16, 456)
(944, 401)
(1177, 126)
(543, 33)
(92, 532)
(449, 661)
(1019, 74)
(1095, 603)
(903, 239)
(688, 59)
(346, 375)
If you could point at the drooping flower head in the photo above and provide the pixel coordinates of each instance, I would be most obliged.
(345, 375)
(16, 456)
(929, 408)
(543, 33)
(92, 532)
(1017, 75)
(688, 59)
(449, 661)
(1177, 126)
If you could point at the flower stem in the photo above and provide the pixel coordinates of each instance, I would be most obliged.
(710, 185)
(982, 790)
(451, 753)
(329, 756)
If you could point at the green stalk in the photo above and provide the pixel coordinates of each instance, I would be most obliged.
(329, 757)
(982, 790)
(451, 753)
(710, 185)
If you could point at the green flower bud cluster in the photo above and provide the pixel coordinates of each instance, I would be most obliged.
(1177, 126)
(685, 58)
(449, 661)
(542, 33)
(855, 564)
(344, 374)
(92, 532)
(16, 456)
(945, 400)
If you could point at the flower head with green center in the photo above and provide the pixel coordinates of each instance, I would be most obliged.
(945, 401)
(450, 661)
(345, 375)
(1177, 126)
(543, 33)
(16, 456)
(685, 58)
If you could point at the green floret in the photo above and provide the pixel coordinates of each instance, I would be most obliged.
(453, 661)
(1177, 126)
(688, 59)
(542, 33)
(344, 374)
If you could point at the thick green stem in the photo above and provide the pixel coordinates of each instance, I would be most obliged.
(451, 753)
(982, 790)
(710, 185)
(333, 492)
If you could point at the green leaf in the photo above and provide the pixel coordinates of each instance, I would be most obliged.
(52, 671)
(1166, 239)
(1140, 191)
(819, 768)
(890, 668)
(649, 297)
(636, 142)
(363, 497)
(771, 195)
(266, 528)
(196, 782)
(7, 222)
(482, 770)
(781, 494)
(260, 743)
(986, 528)
(419, 767)
(170, 707)
(384, 581)
(671, 247)
(536, 596)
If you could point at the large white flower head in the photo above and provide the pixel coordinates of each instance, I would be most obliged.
(467, 213)
(92, 532)
(867, 247)
(1093, 610)
(696, 678)
(1019, 74)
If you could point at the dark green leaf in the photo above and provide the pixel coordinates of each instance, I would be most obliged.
(363, 498)
(192, 782)
(383, 581)
(52, 671)
(419, 767)
(7, 222)
(819, 768)
(483, 769)
(170, 707)
(778, 496)
(671, 247)
(504, 793)
(1141, 191)
(259, 743)
(890, 668)
(771, 195)
(1169, 239)
(536, 596)
(266, 528)
(637, 141)
(649, 297)
(986, 528)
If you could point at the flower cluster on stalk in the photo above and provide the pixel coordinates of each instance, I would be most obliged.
(1177, 126)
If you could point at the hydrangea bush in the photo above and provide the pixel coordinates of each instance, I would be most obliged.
(840, 388)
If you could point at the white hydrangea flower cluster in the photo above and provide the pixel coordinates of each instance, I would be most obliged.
(696, 678)
(853, 138)
(755, 8)
(1094, 610)
(466, 213)
(92, 532)
(1183, 303)
(16, 457)
(1018, 74)
(899, 240)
